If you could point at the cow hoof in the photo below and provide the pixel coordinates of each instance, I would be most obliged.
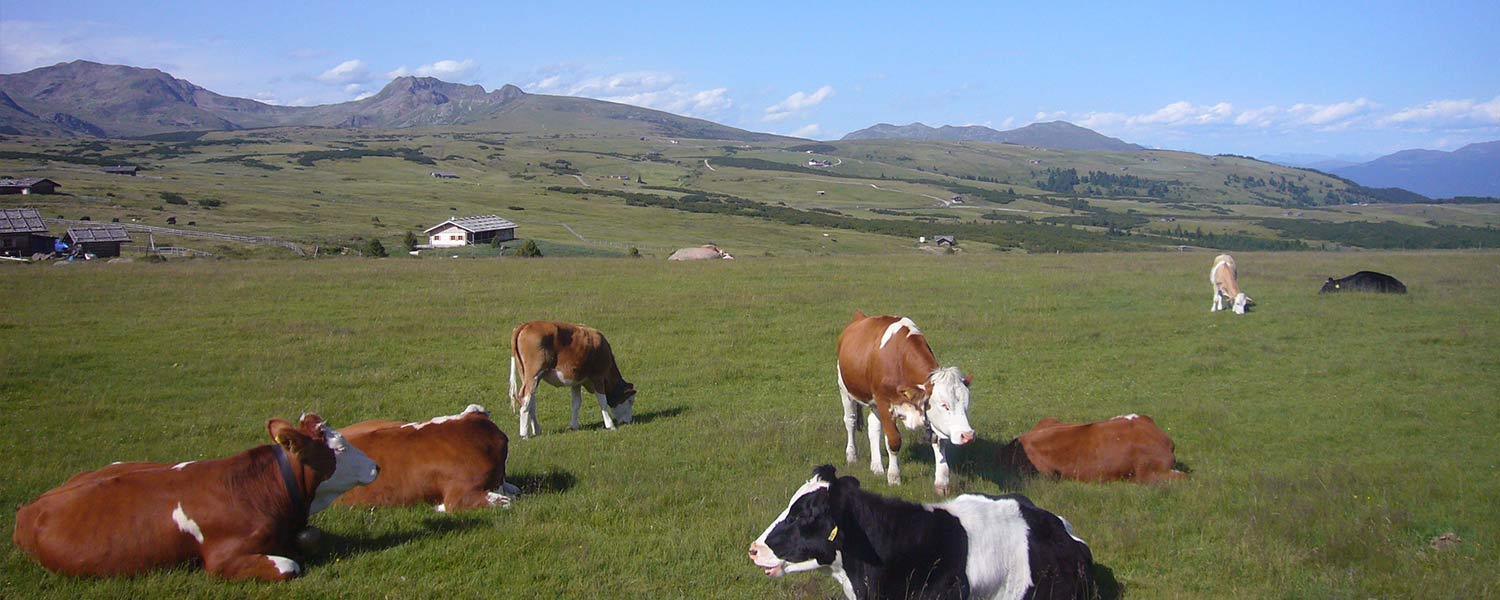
(893, 480)
(309, 541)
(942, 489)
(852, 458)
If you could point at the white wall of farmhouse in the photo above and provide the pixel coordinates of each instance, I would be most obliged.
(449, 236)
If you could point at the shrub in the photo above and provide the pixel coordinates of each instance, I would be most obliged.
(528, 249)
(634, 252)
(375, 248)
(409, 241)
(174, 198)
(209, 203)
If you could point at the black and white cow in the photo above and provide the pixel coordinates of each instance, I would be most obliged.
(973, 546)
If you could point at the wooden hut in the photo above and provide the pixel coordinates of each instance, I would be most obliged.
(29, 185)
(481, 229)
(19, 230)
(99, 240)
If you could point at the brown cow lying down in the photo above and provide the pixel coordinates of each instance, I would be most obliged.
(236, 515)
(1129, 447)
(455, 462)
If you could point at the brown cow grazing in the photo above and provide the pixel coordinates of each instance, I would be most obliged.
(454, 462)
(1125, 448)
(236, 516)
(886, 365)
(706, 251)
(1227, 286)
(571, 355)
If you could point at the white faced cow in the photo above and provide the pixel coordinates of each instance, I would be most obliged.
(973, 546)
(1227, 285)
(571, 355)
(886, 365)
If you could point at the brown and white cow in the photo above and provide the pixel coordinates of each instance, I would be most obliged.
(1125, 448)
(571, 355)
(237, 516)
(1227, 286)
(453, 462)
(886, 365)
(706, 251)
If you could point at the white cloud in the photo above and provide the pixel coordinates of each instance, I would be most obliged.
(364, 95)
(649, 89)
(1448, 113)
(806, 131)
(447, 70)
(347, 72)
(1330, 115)
(797, 102)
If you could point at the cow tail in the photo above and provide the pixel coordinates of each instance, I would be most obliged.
(515, 359)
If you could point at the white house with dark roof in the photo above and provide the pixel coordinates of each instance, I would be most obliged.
(482, 229)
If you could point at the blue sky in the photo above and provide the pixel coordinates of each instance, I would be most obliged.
(1329, 78)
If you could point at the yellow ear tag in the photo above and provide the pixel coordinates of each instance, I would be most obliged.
(834, 533)
(278, 440)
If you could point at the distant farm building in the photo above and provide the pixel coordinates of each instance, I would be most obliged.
(22, 232)
(818, 163)
(29, 185)
(945, 240)
(482, 229)
(121, 170)
(444, 175)
(99, 240)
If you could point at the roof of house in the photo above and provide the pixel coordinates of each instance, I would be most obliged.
(476, 224)
(98, 233)
(21, 220)
(944, 238)
(25, 182)
(121, 169)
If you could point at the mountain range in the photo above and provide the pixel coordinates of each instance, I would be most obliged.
(1058, 135)
(87, 98)
(1473, 170)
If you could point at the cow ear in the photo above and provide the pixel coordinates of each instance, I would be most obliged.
(968, 379)
(825, 473)
(311, 424)
(285, 435)
(849, 481)
(907, 392)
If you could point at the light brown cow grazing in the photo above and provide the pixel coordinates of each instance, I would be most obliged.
(453, 462)
(705, 251)
(886, 365)
(1125, 448)
(1227, 286)
(566, 354)
(236, 516)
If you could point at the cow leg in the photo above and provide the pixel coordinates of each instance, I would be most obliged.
(577, 404)
(609, 421)
(872, 423)
(1218, 302)
(851, 423)
(940, 459)
(266, 567)
(892, 446)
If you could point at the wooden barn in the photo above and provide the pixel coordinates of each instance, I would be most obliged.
(481, 229)
(127, 170)
(29, 185)
(22, 231)
(99, 240)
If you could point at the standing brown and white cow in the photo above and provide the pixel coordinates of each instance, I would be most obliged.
(1227, 286)
(452, 462)
(886, 365)
(237, 516)
(571, 355)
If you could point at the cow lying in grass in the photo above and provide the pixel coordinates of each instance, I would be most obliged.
(452, 463)
(1125, 448)
(1364, 281)
(237, 516)
(1227, 286)
(1002, 548)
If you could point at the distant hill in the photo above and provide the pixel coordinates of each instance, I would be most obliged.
(1472, 170)
(92, 99)
(1057, 135)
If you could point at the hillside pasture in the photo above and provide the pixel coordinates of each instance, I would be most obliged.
(1329, 438)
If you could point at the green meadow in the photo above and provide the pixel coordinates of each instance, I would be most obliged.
(1329, 438)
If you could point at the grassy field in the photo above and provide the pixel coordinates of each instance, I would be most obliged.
(1329, 438)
